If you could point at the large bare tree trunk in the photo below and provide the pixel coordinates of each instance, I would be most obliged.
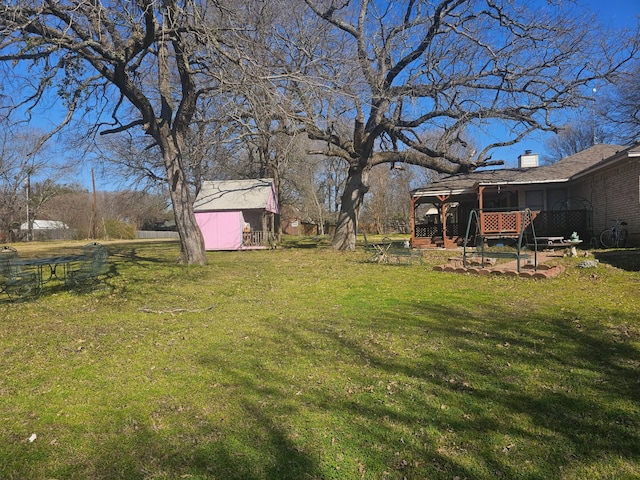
(191, 241)
(356, 186)
(172, 145)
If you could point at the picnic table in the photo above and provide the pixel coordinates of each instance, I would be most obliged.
(551, 243)
(25, 277)
(47, 267)
(400, 251)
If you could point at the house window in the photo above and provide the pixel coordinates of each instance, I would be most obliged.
(534, 199)
(557, 199)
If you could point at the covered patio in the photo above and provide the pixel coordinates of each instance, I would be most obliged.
(441, 211)
(442, 221)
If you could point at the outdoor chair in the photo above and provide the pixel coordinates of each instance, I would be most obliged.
(372, 251)
(16, 282)
(94, 265)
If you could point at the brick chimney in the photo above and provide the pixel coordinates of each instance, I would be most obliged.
(528, 159)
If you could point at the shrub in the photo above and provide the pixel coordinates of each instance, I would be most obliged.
(117, 229)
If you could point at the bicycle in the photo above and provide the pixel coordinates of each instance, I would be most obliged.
(614, 237)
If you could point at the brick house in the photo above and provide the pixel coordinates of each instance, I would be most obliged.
(582, 193)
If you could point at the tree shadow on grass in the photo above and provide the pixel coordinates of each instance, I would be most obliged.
(142, 254)
(152, 454)
(338, 447)
(138, 446)
(483, 366)
(623, 259)
(453, 401)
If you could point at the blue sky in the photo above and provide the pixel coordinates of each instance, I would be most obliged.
(615, 14)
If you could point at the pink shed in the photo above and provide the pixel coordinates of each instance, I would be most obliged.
(237, 214)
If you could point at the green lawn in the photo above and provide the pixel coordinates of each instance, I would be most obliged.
(305, 363)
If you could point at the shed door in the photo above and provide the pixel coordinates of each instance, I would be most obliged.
(221, 230)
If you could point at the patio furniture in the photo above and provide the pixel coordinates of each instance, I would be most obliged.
(377, 251)
(518, 228)
(47, 268)
(15, 281)
(400, 252)
(391, 251)
(94, 263)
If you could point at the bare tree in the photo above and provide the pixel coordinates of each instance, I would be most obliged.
(257, 81)
(125, 65)
(623, 106)
(27, 179)
(313, 183)
(574, 138)
(130, 159)
(386, 206)
(134, 207)
(73, 206)
(413, 77)
(379, 204)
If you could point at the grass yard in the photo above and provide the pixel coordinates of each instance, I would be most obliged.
(305, 363)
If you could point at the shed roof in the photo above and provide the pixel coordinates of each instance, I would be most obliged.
(558, 172)
(44, 225)
(236, 195)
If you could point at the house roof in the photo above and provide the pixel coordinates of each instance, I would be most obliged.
(236, 195)
(625, 154)
(558, 172)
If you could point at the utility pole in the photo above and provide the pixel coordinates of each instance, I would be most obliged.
(593, 116)
(29, 222)
(94, 223)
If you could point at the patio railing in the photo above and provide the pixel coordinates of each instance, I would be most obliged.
(495, 223)
(435, 230)
(504, 223)
(546, 223)
(254, 238)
